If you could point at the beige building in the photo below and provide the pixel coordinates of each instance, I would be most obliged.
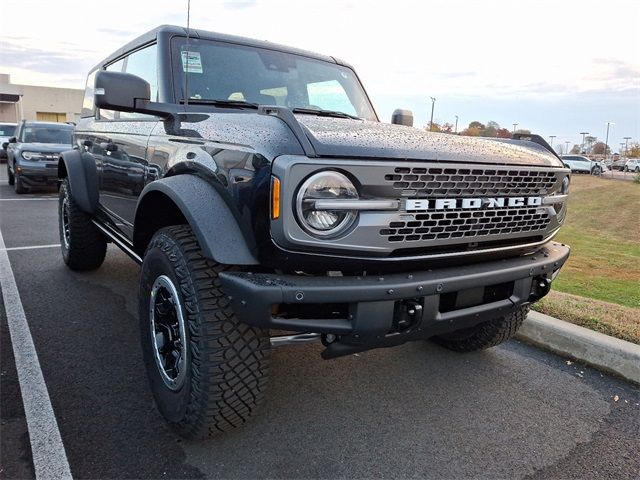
(30, 102)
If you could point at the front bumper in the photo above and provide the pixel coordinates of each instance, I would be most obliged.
(37, 173)
(448, 298)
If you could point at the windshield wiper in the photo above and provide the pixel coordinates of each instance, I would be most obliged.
(324, 113)
(221, 103)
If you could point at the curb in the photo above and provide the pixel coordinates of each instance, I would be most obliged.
(593, 348)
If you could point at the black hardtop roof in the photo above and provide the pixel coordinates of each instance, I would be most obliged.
(152, 35)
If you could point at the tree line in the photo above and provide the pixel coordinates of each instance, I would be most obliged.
(477, 129)
(592, 146)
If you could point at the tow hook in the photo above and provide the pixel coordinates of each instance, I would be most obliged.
(539, 288)
(407, 314)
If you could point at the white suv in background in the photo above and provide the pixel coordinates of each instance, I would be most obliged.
(632, 165)
(582, 164)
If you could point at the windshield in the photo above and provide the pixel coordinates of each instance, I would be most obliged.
(223, 71)
(7, 130)
(41, 134)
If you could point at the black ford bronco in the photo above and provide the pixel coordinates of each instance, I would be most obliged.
(259, 192)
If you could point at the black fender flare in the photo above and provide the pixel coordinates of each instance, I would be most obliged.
(81, 170)
(212, 221)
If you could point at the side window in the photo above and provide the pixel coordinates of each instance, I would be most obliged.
(110, 114)
(144, 64)
(330, 95)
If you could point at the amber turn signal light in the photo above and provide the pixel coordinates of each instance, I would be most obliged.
(275, 198)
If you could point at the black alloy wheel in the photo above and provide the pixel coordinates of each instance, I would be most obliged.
(168, 332)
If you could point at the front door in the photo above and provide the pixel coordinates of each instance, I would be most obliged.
(123, 148)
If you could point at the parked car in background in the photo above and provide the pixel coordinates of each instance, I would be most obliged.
(32, 154)
(582, 164)
(619, 164)
(632, 165)
(7, 130)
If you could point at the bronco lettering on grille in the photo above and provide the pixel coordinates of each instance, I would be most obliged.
(471, 203)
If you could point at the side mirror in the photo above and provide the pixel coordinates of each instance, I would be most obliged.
(402, 117)
(124, 92)
(119, 91)
(13, 140)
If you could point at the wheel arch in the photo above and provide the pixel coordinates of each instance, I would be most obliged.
(189, 199)
(81, 171)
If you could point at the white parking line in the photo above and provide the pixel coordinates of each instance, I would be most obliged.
(31, 247)
(27, 199)
(47, 449)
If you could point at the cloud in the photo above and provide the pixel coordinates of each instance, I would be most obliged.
(458, 74)
(118, 32)
(239, 4)
(19, 56)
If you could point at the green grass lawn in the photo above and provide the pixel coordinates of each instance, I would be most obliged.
(599, 286)
(603, 230)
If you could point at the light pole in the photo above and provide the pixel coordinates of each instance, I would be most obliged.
(456, 129)
(566, 150)
(514, 127)
(433, 104)
(626, 145)
(583, 135)
(606, 142)
(552, 137)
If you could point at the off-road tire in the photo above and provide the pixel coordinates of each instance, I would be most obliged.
(485, 335)
(86, 246)
(227, 361)
(18, 186)
(10, 178)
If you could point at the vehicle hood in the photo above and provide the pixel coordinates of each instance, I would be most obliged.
(347, 138)
(337, 137)
(45, 147)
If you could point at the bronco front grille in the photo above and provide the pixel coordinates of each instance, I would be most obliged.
(461, 182)
(466, 224)
(440, 206)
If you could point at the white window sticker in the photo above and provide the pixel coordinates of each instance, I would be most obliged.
(191, 62)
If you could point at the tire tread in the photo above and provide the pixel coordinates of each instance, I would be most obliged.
(229, 359)
(486, 335)
(87, 247)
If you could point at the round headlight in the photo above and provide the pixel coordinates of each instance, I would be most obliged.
(27, 155)
(327, 185)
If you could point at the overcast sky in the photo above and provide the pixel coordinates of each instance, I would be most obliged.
(555, 67)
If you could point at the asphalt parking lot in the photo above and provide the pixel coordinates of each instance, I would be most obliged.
(413, 411)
